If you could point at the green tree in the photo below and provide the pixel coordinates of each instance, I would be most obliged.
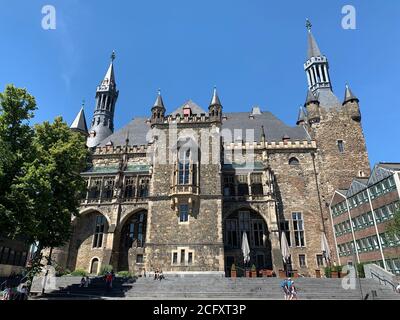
(52, 187)
(393, 227)
(16, 109)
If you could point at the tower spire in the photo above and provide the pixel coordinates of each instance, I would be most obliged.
(79, 123)
(215, 107)
(316, 66)
(102, 124)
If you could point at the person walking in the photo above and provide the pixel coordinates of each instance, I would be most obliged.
(156, 274)
(292, 291)
(285, 288)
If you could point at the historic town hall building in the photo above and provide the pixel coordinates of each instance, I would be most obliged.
(177, 190)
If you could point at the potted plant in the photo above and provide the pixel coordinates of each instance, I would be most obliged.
(247, 273)
(253, 271)
(318, 273)
(282, 273)
(328, 272)
(233, 271)
(335, 271)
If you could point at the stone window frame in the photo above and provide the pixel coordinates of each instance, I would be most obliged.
(341, 144)
(294, 161)
(317, 262)
(186, 251)
(103, 233)
(305, 260)
(293, 231)
(188, 214)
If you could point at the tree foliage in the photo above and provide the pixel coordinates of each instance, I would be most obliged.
(16, 109)
(393, 228)
(40, 182)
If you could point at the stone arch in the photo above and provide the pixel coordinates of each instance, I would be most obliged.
(293, 161)
(89, 210)
(83, 236)
(130, 240)
(250, 219)
(94, 266)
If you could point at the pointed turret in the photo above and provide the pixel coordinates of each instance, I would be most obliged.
(351, 105)
(102, 124)
(301, 119)
(79, 124)
(158, 109)
(349, 96)
(215, 108)
(312, 107)
(313, 49)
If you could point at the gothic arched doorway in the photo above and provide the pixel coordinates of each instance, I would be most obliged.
(133, 235)
(251, 222)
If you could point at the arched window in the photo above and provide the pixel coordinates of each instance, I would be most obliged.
(294, 161)
(184, 168)
(136, 230)
(94, 267)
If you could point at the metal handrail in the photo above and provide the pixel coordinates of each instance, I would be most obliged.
(373, 274)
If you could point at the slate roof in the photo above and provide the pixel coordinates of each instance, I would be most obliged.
(274, 128)
(196, 109)
(80, 122)
(313, 49)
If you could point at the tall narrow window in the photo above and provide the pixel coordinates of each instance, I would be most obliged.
(183, 213)
(94, 189)
(130, 188)
(284, 226)
(229, 186)
(258, 233)
(108, 189)
(244, 224)
(183, 168)
(340, 145)
(175, 258)
(320, 260)
(243, 188)
(144, 188)
(256, 184)
(298, 229)
(99, 231)
(231, 233)
(190, 258)
(182, 256)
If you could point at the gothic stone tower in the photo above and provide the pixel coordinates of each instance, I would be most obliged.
(185, 211)
(102, 124)
(336, 127)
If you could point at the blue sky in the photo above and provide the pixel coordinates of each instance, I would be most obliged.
(252, 50)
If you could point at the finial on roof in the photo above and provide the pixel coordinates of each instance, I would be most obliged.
(215, 99)
(127, 138)
(83, 103)
(113, 56)
(308, 25)
(262, 134)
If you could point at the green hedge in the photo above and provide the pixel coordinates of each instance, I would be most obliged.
(105, 269)
(79, 272)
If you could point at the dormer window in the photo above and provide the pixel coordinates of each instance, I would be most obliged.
(187, 112)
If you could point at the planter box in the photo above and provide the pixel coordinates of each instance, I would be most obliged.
(254, 274)
(342, 274)
(334, 274)
(282, 274)
(318, 273)
(233, 274)
(247, 274)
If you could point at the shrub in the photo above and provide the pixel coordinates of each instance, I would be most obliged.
(233, 267)
(105, 269)
(79, 272)
(328, 272)
(337, 269)
(125, 274)
(253, 267)
(360, 270)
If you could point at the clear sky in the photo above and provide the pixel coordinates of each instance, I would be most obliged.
(252, 50)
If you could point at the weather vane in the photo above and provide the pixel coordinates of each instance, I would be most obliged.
(83, 102)
(113, 56)
(308, 24)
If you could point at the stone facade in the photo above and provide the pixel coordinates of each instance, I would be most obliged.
(178, 191)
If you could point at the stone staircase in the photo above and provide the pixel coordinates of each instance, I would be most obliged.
(254, 288)
(203, 288)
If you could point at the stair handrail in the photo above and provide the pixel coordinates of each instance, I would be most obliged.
(385, 281)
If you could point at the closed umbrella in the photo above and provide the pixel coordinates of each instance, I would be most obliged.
(285, 248)
(325, 247)
(245, 248)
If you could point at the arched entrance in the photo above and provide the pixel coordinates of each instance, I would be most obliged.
(94, 267)
(132, 241)
(253, 224)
